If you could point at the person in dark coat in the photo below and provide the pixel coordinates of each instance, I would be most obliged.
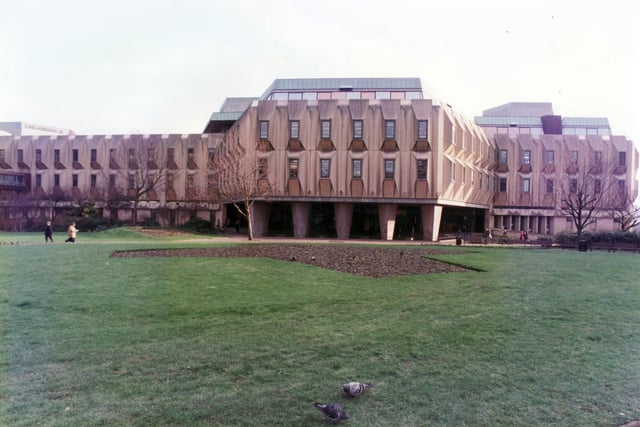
(48, 232)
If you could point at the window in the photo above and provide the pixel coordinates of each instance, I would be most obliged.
(549, 185)
(464, 175)
(262, 168)
(389, 169)
(170, 180)
(622, 187)
(264, 129)
(325, 168)
(503, 157)
(573, 185)
(20, 156)
(94, 180)
(390, 129)
(131, 181)
(423, 127)
(94, 155)
(293, 168)
(38, 180)
(2, 158)
(74, 155)
(211, 182)
(452, 165)
(597, 186)
(598, 157)
(56, 156)
(56, 180)
(356, 168)
(112, 181)
(622, 158)
(39, 155)
(132, 153)
(421, 167)
(526, 157)
(526, 183)
(480, 180)
(574, 157)
(112, 154)
(325, 129)
(550, 156)
(74, 180)
(357, 129)
(190, 182)
(171, 154)
(191, 154)
(503, 185)
(211, 154)
(294, 129)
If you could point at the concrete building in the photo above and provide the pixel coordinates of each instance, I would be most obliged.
(343, 158)
(541, 155)
(352, 158)
(168, 177)
(32, 129)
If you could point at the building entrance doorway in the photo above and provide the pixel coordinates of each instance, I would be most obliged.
(364, 222)
(408, 223)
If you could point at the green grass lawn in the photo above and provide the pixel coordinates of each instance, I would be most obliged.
(539, 337)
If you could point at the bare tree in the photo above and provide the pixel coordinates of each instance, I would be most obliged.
(626, 213)
(585, 191)
(243, 182)
(143, 169)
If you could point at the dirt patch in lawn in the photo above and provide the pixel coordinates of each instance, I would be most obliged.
(360, 260)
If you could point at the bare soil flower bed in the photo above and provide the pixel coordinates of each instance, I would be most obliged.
(358, 259)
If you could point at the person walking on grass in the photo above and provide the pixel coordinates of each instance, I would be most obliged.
(48, 232)
(71, 232)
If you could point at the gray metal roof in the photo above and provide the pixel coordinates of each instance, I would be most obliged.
(236, 105)
(225, 117)
(530, 109)
(336, 84)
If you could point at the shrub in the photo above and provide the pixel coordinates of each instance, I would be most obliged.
(198, 225)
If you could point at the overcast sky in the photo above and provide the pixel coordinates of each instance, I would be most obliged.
(161, 66)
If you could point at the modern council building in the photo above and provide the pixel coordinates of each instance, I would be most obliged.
(343, 158)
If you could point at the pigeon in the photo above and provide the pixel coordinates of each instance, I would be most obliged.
(333, 411)
(355, 389)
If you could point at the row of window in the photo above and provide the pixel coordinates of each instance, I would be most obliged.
(131, 180)
(150, 155)
(356, 168)
(550, 185)
(536, 131)
(550, 157)
(344, 94)
(483, 179)
(357, 127)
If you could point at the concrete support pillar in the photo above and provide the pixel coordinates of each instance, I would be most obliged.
(260, 218)
(387, 218)
(300, 213)
(343, 215)
(431, 216)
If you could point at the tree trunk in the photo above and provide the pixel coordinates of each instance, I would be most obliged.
(250, 225)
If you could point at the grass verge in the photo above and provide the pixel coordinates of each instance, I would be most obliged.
(539, 337)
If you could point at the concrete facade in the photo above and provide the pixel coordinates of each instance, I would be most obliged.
(342, 158)
(541, 153)
(331, 143)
